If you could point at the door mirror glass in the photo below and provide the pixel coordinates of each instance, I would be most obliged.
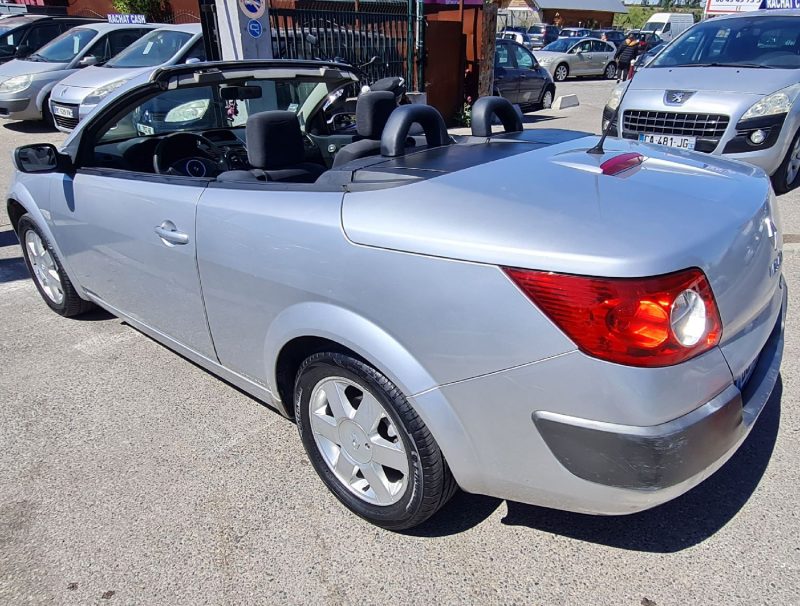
(39, 158)
(88, 60)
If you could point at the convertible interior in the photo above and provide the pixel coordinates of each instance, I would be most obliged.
(267, 133)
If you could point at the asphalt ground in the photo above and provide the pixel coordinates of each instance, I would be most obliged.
(130, 476)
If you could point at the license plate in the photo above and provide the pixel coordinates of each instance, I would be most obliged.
(669, 141)
(64, 112)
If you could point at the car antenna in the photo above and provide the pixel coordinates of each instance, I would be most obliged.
(598, 149)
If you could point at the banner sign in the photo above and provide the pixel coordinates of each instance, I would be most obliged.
(726, 7)
(118, 19)
(781, 4)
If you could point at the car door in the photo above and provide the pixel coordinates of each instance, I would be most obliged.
(581, 58)
(129, 234)
(506, 75)
(602, 54)
(531, 76)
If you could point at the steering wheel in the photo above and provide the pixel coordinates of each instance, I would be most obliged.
(189, 155)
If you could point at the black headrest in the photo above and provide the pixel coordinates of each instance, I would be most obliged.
(274, 140)
(486, 108)
(372, 111)
(393, 141)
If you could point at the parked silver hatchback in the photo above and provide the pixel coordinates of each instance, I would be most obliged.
(729, 86)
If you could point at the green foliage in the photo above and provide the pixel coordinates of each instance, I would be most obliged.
(155, 10)
(638, 15)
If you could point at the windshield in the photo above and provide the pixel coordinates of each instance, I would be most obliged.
(653, 26)
(9, 40)
(155, 48)
(66, 47)
(202, 107)
(759, 42)
(560, 46)
(536, 29)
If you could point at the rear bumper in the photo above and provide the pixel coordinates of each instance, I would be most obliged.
(665, 455)
(512, 448)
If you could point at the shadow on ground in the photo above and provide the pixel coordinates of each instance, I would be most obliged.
(8, 238)
(674, 526)
(30, 127)
(12, 270)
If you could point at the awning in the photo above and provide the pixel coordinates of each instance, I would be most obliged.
(603, 6)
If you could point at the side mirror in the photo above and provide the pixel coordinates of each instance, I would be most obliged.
(192, 60)
(88, 60)
(41, 158)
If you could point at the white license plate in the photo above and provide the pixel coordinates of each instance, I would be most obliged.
(64, 112)
(669, 141)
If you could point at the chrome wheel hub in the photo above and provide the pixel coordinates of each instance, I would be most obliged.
(358, 441)
(44, 267)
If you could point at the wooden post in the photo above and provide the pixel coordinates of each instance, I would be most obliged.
(488, 34)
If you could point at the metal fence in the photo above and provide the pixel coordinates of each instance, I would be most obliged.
(354, 36)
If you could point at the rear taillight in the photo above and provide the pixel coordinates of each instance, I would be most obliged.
(656, 321)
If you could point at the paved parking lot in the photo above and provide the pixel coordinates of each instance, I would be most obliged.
(130, 476)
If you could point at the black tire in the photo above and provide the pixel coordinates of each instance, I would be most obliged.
(780, 180)
(430, 484)
(560, 75)
(611, 71)
(546, 102)
(47, 115)
(71, 305)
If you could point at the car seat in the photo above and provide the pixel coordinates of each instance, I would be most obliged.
(372, 112)
(275, 150)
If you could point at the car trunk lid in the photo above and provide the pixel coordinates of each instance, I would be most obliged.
(553, 209)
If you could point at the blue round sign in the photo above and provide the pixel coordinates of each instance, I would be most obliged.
(254, 28)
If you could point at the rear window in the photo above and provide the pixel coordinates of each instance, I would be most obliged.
(766, 42)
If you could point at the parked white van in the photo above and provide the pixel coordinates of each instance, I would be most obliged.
(668, 25)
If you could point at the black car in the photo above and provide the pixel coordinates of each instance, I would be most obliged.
(519, 78)
(542, 34)
(23, 35)
(615, 36)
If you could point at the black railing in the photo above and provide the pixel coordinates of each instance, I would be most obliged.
(355, 37)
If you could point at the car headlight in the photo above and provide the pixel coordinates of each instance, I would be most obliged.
(186, 112)
(99, 94)
(778, 102)
(546, 61)
(16, 84)
(616, 96)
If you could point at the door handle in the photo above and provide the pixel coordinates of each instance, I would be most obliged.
(170, 235)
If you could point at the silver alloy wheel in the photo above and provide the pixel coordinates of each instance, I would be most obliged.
(611, 71)
(794, 163)
(561, 73)
(44, 267)
(358, 441)
(547, 99)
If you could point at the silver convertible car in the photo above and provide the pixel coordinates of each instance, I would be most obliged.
(423, 307)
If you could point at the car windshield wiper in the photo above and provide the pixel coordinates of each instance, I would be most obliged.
(35, 57)
(718, 64)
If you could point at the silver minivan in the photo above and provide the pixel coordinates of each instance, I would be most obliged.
(26, 84)
(78, 94)
(728, 86)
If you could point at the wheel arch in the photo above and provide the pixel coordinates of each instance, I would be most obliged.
(19, 203)
(309, 328)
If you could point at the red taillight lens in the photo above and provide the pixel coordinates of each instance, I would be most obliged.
(651, 322)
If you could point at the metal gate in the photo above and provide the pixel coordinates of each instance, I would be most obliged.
(349, 35)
